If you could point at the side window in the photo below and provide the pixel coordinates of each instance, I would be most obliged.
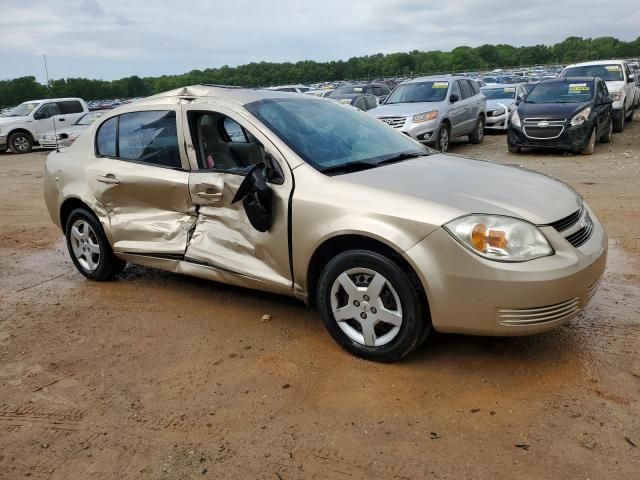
(377, 91)
(385, 90)
(234, 131)
(106, 138)
(371, 102)
(360, 103)
(70, 106)
(474, 87)
(223, 145)
(47, 110)
(149, 137)
(466, 89)
(455, 90)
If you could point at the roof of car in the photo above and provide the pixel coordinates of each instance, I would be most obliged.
(568, 80)
(53, 100)
(229, 94)
(437, 78)
(596, 62)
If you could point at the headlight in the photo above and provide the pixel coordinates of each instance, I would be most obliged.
(500, 238)
(425, 117)
(498, 111)
(615, 96)
(581, 117)
(515, 118)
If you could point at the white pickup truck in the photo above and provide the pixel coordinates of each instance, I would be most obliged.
(620, 83)
(21, 127)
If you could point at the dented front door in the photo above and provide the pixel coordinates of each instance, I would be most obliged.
(223, 239)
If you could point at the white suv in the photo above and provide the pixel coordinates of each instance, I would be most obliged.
(22, 126)
(620, 83)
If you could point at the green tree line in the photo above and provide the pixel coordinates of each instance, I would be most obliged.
(416, 62)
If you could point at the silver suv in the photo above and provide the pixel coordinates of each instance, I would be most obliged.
(433, 110)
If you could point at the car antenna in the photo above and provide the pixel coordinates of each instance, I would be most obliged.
(46, 73)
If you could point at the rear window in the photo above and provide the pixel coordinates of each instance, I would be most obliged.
(609, 73)
(70, 106)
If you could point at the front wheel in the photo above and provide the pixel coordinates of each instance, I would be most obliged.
(444, 138)
(20, 142)
(591, 145)
(618, 123)
(630, 116)
(606, 138)
(478, 133)
(89, 248)
(513, 148)
(371, 306)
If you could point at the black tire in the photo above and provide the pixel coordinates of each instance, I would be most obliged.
(630, 116)
(618, 123)
(513, 148)
(478, 133)
(20, 142)
(4, 149)
(591, 144)
(108, 265)
(415, 321)
(606, 138)
(443, 140)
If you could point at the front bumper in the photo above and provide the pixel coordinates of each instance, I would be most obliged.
(472, 295)
(501, 122)
(572, 138)
(423, 132)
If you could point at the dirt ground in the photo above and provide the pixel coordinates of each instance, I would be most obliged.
(159, 376)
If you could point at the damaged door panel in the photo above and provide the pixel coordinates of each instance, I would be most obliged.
(223, 238)
(147, 208)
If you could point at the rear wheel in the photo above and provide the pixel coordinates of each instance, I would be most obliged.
(20, 142)
(371, 306)
(478, 133)
(591, 145)
(618, 123)
(89, 248)
(443, 140)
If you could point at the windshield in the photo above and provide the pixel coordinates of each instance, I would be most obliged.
(431, 91)
(499, 93)
(23, 109)
(609, 73)
(89, 118)
(560, 93)
(348, 90)
(327, 135)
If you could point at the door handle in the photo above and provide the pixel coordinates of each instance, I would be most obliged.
(109, 179)
(210, 196)
(61, 119)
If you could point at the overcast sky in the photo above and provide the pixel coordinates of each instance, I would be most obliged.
(116, 38)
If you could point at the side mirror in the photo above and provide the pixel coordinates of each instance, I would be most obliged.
(257, 198)
(39, 116)
(454, 98)
(630, 80)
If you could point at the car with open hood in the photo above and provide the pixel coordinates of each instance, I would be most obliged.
(501, 102)
(299, 196)
(65, 136)
(620, 84)
(433, 110)
(571, 114)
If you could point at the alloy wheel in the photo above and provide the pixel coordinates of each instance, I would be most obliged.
(366, 307)
(443, 140)
(85, 246)
(21, 143)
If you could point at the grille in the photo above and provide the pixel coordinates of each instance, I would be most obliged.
(539, 315)
(395, 122)
(567, 222)
(579, 237)
(543, 128)
(580, 224)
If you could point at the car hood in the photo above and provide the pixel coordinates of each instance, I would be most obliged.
(403, 109)
(550, 110)
(493, 104)
(615, 87)
(475, 186)
(9, 120)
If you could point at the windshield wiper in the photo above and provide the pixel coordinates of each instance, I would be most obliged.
(348, 167)
(401, 157)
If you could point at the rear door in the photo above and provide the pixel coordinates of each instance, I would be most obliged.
(471, 108)
(139, 176)
(457, 111)
(222, 146)
(70, 111)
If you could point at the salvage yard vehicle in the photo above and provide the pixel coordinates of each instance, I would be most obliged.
(620, 84)
(21, 128)
(433, 110)
(297, 195)
(360, 101)
(566, 114)
(65, 136)
(380, 90)
(501, 101)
